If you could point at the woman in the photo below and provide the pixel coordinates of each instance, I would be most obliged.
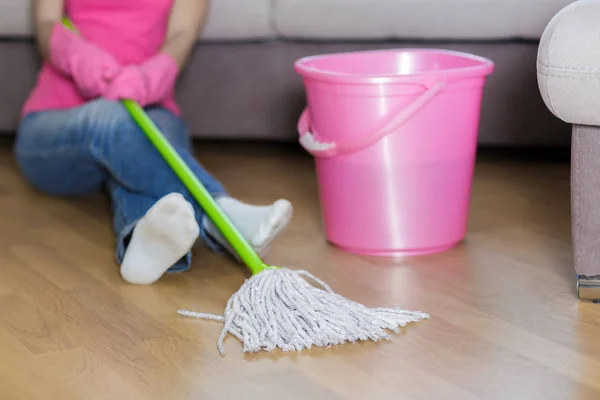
(76, 138)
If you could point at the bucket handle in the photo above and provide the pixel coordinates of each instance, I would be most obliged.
(319, 148)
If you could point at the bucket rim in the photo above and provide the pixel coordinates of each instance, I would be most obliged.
(485, 67)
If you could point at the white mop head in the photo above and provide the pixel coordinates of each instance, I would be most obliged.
(279, 308)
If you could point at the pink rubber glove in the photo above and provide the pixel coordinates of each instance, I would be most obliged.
(90, 67)
(148, 83)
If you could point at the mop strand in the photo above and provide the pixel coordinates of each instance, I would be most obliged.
(279, 308)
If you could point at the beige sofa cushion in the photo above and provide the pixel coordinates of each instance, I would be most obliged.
(569, 64)
(427, 19)
(227, 19)
(16, 18)
(239, 19)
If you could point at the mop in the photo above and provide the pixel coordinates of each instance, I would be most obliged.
(276, 307)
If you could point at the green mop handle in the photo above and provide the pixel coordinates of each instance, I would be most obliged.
(191, 182)
(196, 188)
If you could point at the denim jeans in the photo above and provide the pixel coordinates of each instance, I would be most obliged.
(98, 145)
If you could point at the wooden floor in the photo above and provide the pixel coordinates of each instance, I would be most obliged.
(505, 324)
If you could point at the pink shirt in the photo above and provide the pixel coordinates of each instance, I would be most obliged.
(131, 30)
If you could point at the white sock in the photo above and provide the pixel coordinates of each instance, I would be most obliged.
(161, 238)
(260, 225)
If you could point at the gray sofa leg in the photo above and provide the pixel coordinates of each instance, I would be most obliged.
(585, 207)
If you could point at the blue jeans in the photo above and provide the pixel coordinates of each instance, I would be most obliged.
(98, 145)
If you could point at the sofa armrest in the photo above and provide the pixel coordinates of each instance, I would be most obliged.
(568, 63)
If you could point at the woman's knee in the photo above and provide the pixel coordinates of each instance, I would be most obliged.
(104, 116)
(113, 129)
(111, 120)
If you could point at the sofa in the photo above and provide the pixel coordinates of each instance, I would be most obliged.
(240, 82)
(568, 68)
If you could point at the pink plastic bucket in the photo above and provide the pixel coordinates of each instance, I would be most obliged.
(394, 136)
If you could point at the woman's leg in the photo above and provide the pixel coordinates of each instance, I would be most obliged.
(152, 234)
(77, 151)
(103, 140)
(259, 224)
(74, 151)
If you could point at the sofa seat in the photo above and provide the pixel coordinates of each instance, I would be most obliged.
(222, 97)
(228, 20)
(414, 19)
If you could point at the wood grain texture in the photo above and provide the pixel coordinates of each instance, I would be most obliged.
(505, 319)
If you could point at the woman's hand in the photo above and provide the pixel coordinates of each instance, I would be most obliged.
(90, 67)
(147, 84)
(152, 81)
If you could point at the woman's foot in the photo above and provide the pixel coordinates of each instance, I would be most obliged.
(260, 225)
(161, 238)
